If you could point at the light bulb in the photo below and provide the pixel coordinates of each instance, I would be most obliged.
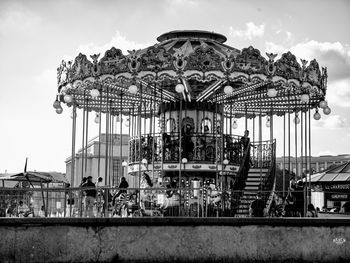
(144, 161)
(317, 115)
(97, 118)
(68, 98)
(228, 90)
(56, 104)
(297, 120)
(327, 110)
(133, 89)
(272, 92)
(59, 110)
(234, 125)
(124, 163)
(184, 160)
(323, 104)
(95, 93)
(179, 88)
(225, 162)
(305, 98)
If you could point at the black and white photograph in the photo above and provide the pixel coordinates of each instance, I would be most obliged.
(175, 131)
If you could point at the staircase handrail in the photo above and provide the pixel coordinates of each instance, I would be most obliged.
(242, 175)
(271, 175)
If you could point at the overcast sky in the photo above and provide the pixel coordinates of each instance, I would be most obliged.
(35, 35)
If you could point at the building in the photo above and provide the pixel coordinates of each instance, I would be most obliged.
(91, 160)
(318, 163)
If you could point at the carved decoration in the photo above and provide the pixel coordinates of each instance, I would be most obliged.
(313, 72)
(113, 62)
(288, 66)
(250, 61)
(204, 59)
(155, 59)
(81, 68)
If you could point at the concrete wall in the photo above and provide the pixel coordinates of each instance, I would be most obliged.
(174, 239)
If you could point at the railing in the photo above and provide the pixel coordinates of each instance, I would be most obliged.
(262, 154)
(195, 148)
(151, 202)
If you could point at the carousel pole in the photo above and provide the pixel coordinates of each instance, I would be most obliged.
(99, 138)
(111, 148)
(289, 135)
(284, 158)
(296, 144)
(306, 159)
(107, 138)
(74, 127)
(121, 139)
(86, 136)
(310, 168)
(302, 160)
(83, 141)
(73, 154)
(260, 145)
(180, 149)
(140, 143)
(305, 156)
(246, 117)
(163, 130)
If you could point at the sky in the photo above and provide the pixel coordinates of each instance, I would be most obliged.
(35, 35)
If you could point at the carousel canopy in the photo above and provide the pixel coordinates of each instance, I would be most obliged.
(245, 82)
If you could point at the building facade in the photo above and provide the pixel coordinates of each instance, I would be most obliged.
(318, 163)
(92, 161)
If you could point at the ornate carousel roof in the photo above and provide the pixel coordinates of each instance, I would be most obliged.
(242, 81)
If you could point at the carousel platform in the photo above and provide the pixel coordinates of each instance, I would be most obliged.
(174, 240)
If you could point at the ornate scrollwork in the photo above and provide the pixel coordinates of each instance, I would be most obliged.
(250, 61)
(81, 68)
(204, 58)
(113, 62)
(133, 62)
(313, 73)
(270, 67)
(155, 59)
(288, 66)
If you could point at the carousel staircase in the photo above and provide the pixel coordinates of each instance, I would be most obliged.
(250, 190)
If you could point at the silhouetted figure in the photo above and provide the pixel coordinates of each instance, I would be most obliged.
(257, 207)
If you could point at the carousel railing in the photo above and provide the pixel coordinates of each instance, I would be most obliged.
(197, 147)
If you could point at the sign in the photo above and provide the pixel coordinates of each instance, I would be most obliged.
(337, 187)
(339, 196)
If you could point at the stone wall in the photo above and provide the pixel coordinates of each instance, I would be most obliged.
(174, 240)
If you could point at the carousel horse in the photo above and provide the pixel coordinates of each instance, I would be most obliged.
(146, 198)
(277, 208)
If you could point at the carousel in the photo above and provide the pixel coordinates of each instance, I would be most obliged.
(180, 100)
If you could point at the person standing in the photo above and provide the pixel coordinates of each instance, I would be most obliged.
(90, 196)
(257, 207)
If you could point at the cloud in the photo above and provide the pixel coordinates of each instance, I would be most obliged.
(332, 122)
(118, 41)
(250, 32)
(335, 56)
(182, 2)
(18, 21)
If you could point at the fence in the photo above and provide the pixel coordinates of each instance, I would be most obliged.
(164, 202)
